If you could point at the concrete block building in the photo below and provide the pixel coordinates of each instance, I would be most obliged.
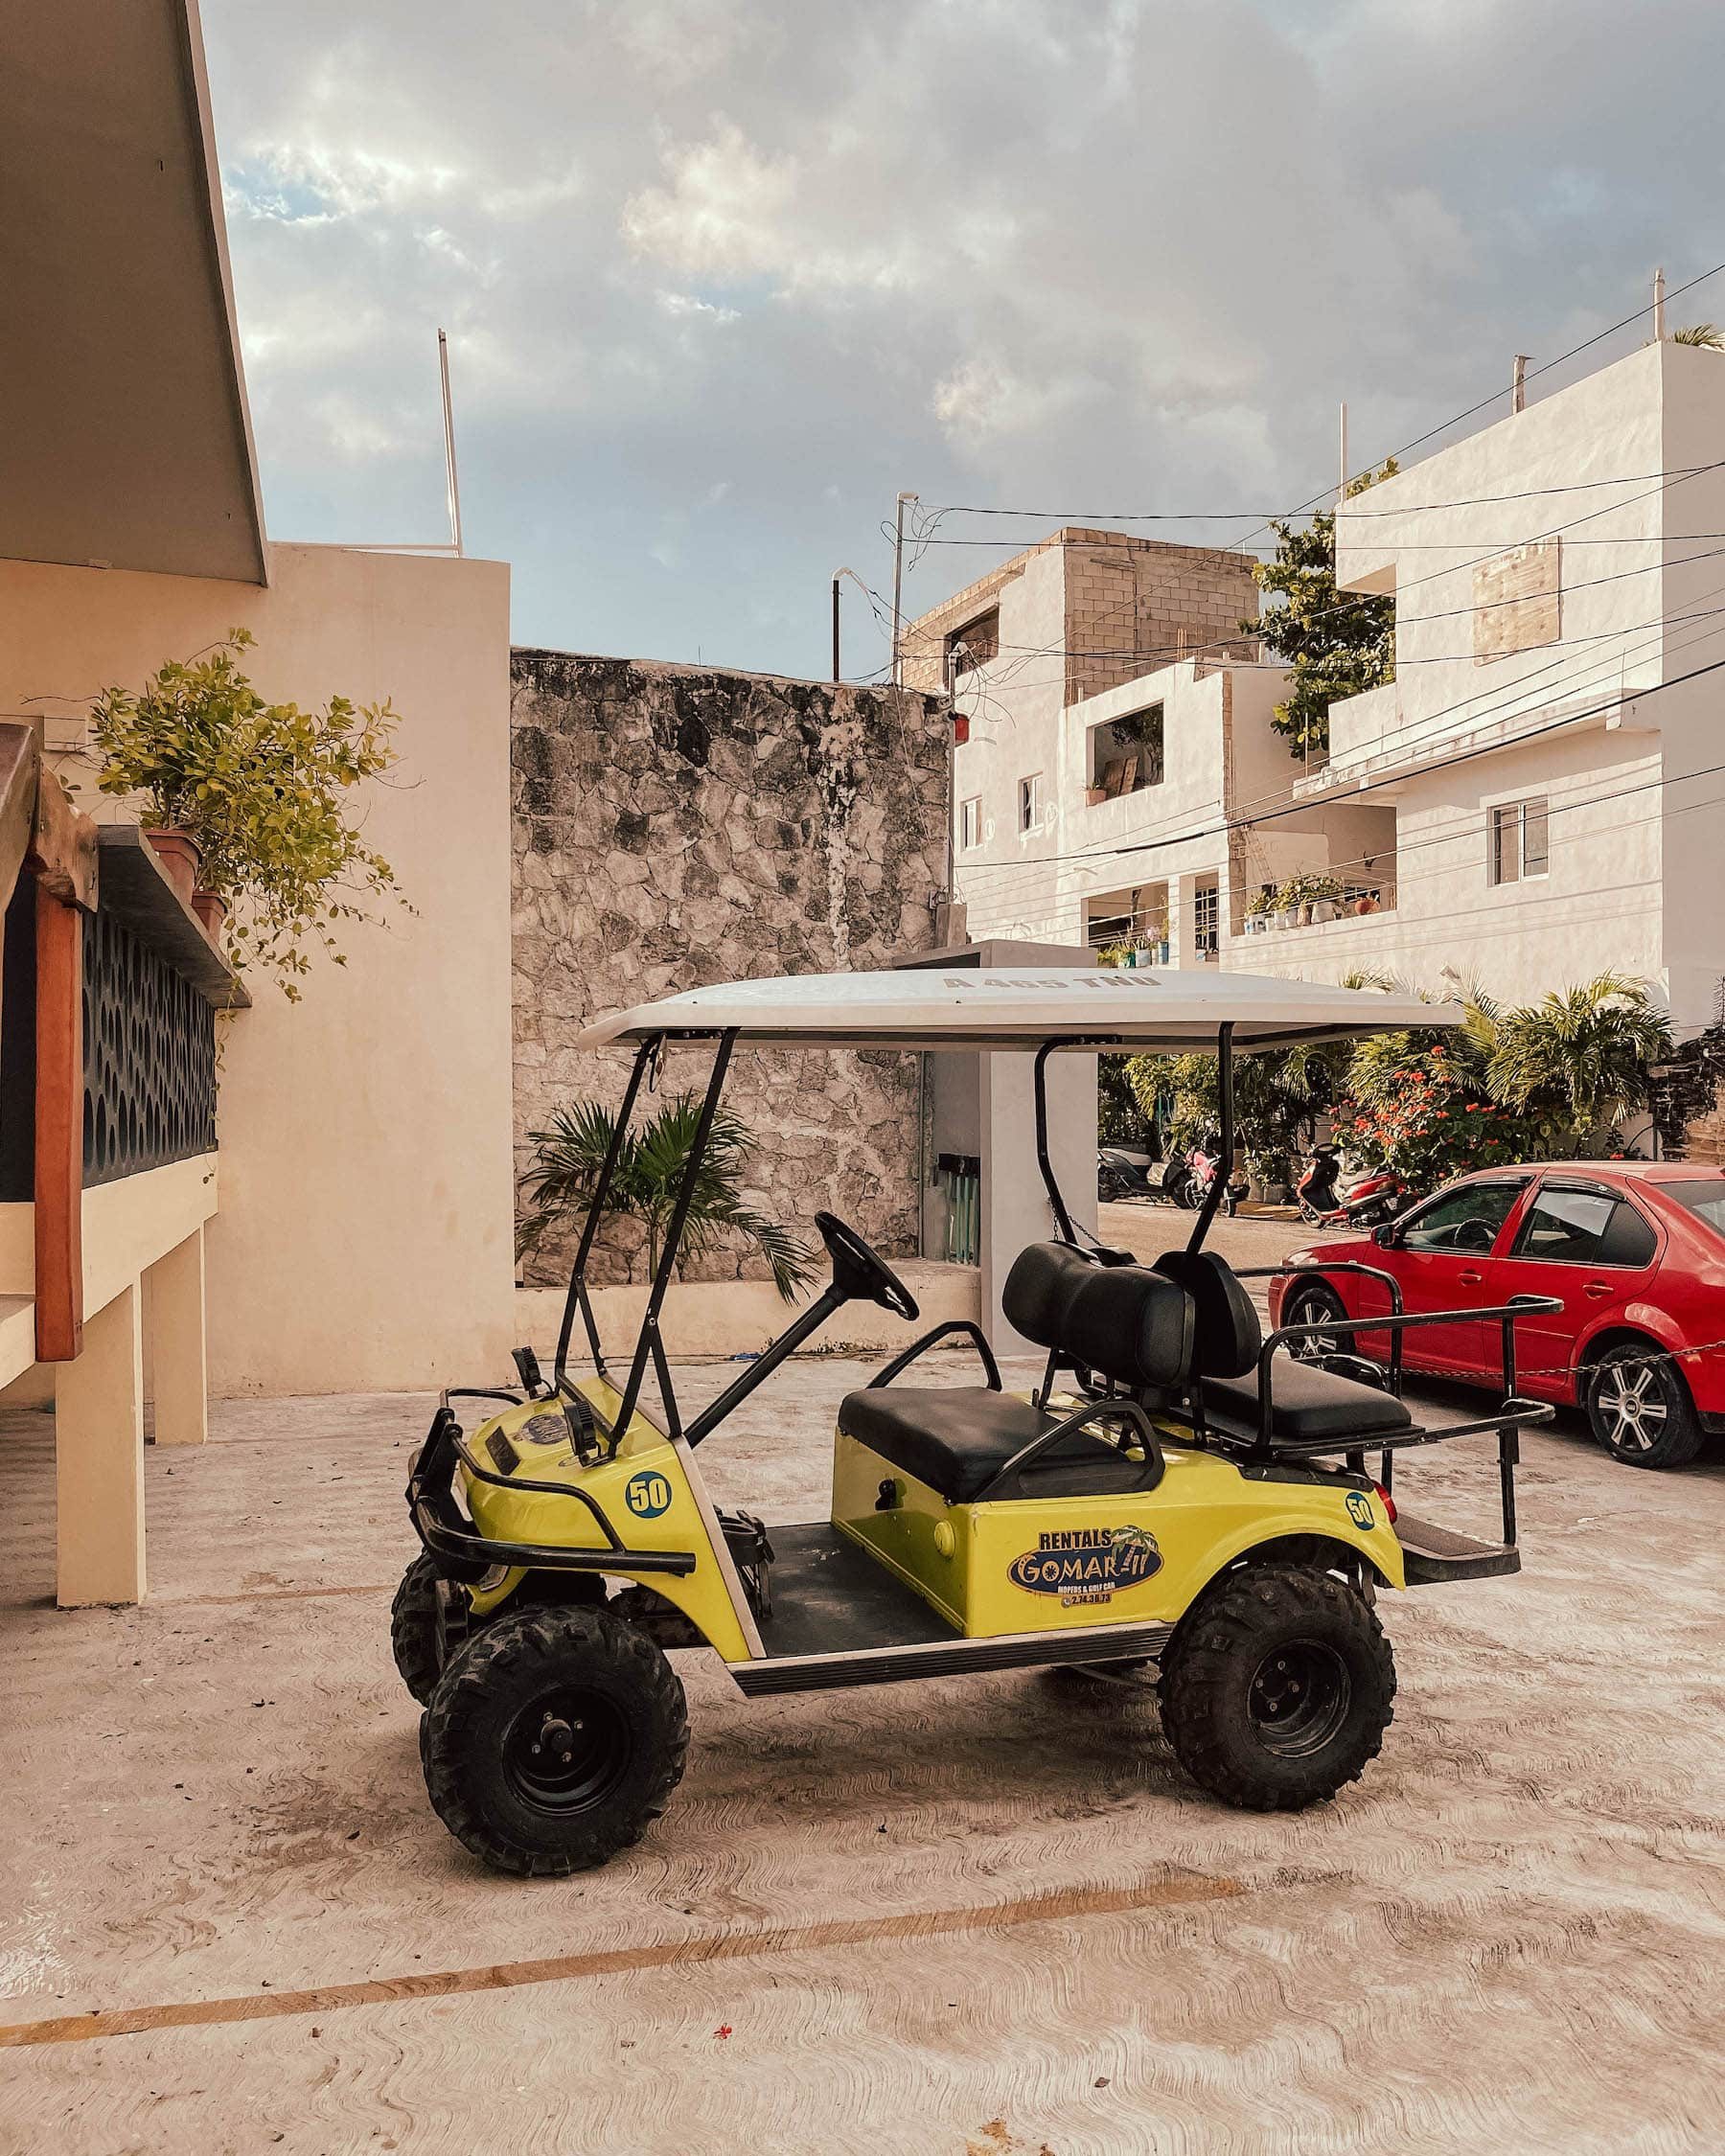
(1114, 735)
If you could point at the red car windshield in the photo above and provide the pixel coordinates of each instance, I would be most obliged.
(1704, 1196)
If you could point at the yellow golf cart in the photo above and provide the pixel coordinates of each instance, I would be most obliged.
(1175, 1489)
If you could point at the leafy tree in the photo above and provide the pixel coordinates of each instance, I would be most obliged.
(1277, 1098)
(265, 788)
(568, 1158)
(1582, 1053)
(1337, 644)
(1533, 1082)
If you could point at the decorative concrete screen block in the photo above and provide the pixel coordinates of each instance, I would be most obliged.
(1517, 600)
(675, 825)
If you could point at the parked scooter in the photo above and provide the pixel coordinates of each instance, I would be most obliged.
(1363, 1200)
(1122, 1175)
(1201, 1167)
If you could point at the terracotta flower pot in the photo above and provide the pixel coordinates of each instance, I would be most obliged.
(180, 854)
(210, 908)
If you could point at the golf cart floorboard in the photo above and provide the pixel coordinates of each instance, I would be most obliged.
(839, 1618)
(1432, 1555)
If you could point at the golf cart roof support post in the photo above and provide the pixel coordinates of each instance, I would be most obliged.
(1063, 1220)
(1213, 1197)
(648, 1341)
(577, 1297)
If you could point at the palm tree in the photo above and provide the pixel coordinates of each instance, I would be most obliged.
(648, 1176)
(1585, 1049)
(1702, 333)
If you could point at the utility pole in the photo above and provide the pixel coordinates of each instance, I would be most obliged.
(449, 416)
(1518, 387)
(1659, 307)
(898, 585)
(862, 588)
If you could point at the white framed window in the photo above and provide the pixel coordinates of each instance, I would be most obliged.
(1030, 803)
(1520, 847)
(1207, 916)
(970, 821)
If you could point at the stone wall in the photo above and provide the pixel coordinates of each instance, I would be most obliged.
(675, 825)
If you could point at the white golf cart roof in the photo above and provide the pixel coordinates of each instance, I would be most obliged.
(1147, 1009)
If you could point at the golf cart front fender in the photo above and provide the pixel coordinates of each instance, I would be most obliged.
(636, 1516)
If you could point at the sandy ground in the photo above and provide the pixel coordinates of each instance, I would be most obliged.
(968, 1917)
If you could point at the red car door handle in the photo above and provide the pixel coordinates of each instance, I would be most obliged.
(1470, 1279)
(1596, 1289)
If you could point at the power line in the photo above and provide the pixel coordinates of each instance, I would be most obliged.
(1586, 345)
(1275, 815)
(935, 511)
(1479, 708)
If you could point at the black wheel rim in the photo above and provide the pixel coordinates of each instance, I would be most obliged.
(1313, 1310)
(1299, 1698)
(567, 1752)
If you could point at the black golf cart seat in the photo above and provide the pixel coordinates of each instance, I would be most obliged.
(1307, 1403)
(1125, 1323)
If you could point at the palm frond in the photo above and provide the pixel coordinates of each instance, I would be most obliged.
(652, 1167)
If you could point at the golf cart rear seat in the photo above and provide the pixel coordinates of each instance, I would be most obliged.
(1307, 1403)
(1120, 1321)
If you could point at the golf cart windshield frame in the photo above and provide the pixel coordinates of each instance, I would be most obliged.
(649, 1342)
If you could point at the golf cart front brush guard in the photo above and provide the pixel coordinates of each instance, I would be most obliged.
(462, 1553)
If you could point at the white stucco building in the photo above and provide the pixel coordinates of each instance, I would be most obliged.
(1549, 750)
(1115, 740)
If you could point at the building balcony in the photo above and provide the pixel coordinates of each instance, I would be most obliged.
(107, 1155)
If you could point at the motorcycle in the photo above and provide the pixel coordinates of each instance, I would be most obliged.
(1193, 1173)
(1363, 1200)
(1121, 1175)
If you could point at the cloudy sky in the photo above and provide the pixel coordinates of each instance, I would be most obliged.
(720, 276)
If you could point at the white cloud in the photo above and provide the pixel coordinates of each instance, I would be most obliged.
(776, 258)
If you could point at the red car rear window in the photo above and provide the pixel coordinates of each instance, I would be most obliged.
(1704, 1196)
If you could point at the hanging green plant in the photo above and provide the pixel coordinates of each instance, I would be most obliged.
(266, 792)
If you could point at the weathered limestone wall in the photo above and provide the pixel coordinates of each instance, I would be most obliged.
(675, 825)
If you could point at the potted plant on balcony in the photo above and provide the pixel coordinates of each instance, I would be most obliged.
(1258, 908)
(1302, 894)
(255, 795)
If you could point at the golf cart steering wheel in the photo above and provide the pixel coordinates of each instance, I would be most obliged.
(858, 1275)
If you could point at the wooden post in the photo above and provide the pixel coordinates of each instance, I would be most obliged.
(59, 1109)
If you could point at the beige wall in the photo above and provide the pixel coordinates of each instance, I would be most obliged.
(364, 1239)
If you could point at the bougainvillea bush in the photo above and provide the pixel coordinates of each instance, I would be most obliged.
(1428, 1115)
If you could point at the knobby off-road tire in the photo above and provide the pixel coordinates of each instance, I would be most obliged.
(1277, 1689)
(1639, 1408)
(413, 1628)
(553, 1739)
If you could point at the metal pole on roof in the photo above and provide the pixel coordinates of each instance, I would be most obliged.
(862, 588)
(1658, 306)
(1518, 387)
(898, 585)
(449, 416)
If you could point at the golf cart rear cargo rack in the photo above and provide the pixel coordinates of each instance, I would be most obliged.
(1431, 1553)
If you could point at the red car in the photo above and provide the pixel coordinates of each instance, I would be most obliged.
(1635, 1250)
